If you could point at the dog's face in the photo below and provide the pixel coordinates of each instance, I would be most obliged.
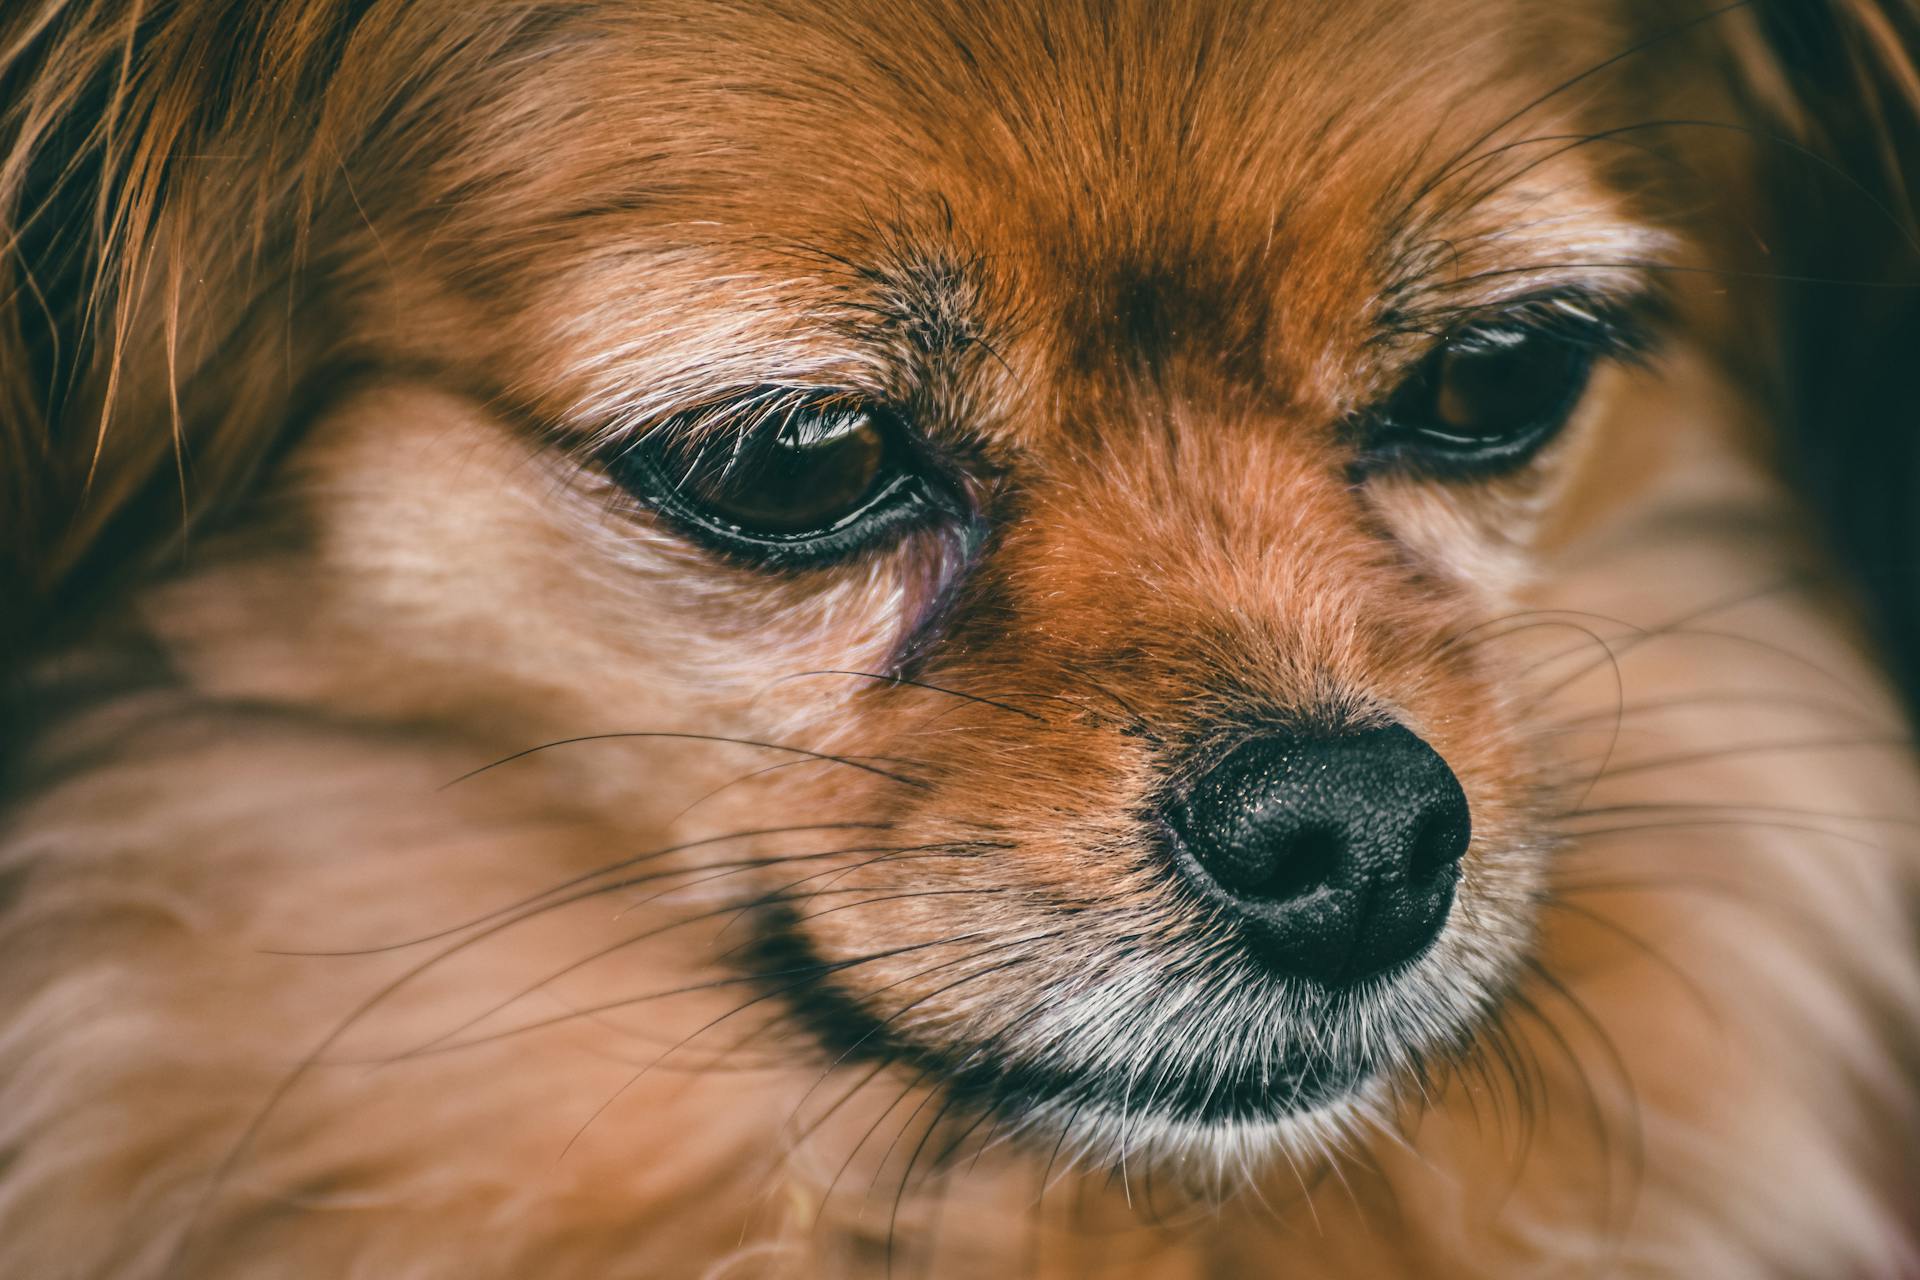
(1082, 456)
(1017, 529)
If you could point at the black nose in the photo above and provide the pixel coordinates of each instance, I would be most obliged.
(1338, 854)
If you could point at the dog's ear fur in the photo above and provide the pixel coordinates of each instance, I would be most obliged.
(95, 131)
(33, 131)
(158, 166)
(1833, 92)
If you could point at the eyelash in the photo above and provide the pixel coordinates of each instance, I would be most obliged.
(1609, 327)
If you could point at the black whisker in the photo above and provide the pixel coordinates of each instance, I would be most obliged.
(1137, 722)
(1596, 1113)
(764, 996)
(926, 1071)
(900, 853)
(1678, 759)
(918, 684)
(880, 1027)
(722, 739)
(1696, 806)
(1674, 268)
(1637, 942)
(776, 899)
(1576, 724)
(1615, 134)
(750, 775)
(1685, 824)
(1465, 155)
(583, 878)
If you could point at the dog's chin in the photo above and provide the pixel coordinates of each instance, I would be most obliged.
(1210, 1065)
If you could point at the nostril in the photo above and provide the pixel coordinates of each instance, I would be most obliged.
(1310, 859)
(1442, 837)
(1267, 861)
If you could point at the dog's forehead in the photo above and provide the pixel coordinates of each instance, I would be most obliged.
(1078, 190)
(1143, 136)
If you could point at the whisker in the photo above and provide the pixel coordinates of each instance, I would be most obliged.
(1674, 268)
(906, 1091)
(1732, 891)
(610, 1006)
(1903, 820)
(749, 776)
(1603, 1132)
(1138, 722)
(1574, 724)
(913, 1084)
(1465, 155)
(1525, 620)
(728, 1058)
(581, 879)
(947, 1103)
(1767, 647)
(885, 855)
(1638, 828)
(798, 1135)
(880, 1026)
(250, 1131)
(1678, 759)
(1617, 132)
(833, 875)
(918, 684)
(720, 739)
(1684, 624)
(1639, 943)
(500, 926)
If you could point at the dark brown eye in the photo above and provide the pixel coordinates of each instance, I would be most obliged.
(816, 472)
(1487, 399)
(786, 480)
(1497, 390)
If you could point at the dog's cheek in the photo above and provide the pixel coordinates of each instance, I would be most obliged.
(1488, 537)
(1476, 539)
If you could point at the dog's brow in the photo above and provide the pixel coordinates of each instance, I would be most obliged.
(923, 299)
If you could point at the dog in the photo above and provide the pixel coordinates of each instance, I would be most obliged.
(852, 638)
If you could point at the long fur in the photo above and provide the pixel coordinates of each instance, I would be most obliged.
(417, 859)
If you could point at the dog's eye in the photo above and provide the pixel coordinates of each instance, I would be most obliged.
(1487, 399)
(817, 472)
(798, 482)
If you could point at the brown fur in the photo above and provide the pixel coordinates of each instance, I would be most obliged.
(395, 806)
